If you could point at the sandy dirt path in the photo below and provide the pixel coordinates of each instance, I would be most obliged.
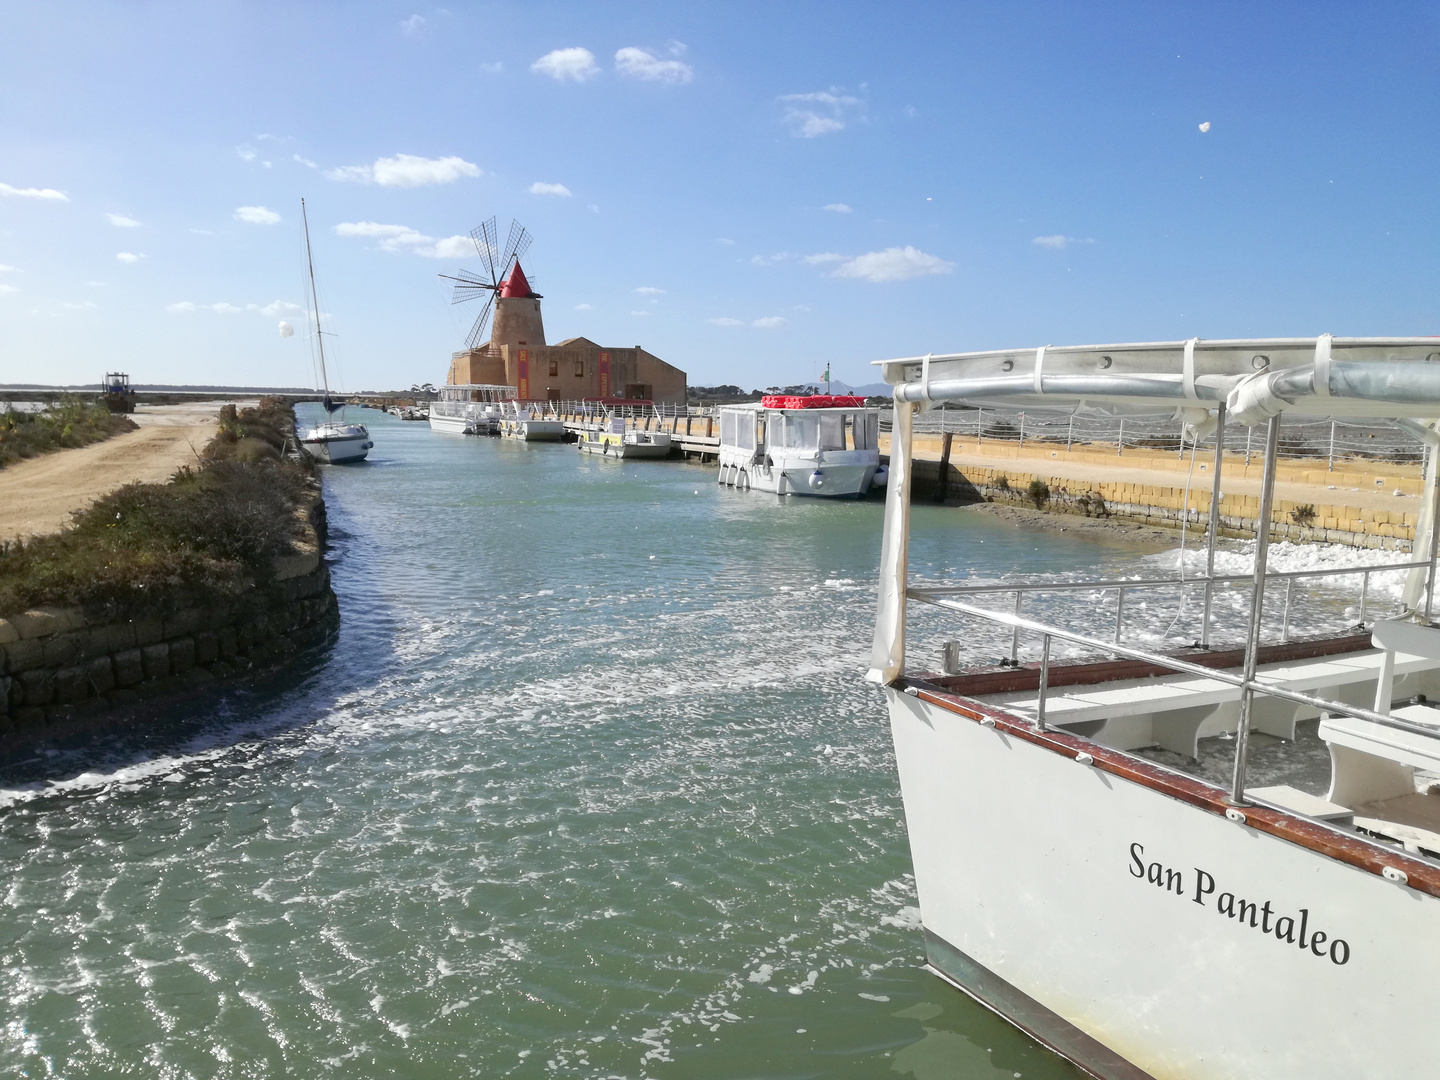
(39, 495)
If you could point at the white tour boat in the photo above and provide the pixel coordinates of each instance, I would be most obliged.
(614, 439)
(818, 445)
(1134, 916)
(470, 409)
(329, 441)
(518, 421)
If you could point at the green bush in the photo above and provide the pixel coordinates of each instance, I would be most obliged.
(210, 533)
(1039, 493)
(68, 423)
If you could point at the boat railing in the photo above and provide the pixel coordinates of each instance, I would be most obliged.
(1248, 687)
(1122, 587)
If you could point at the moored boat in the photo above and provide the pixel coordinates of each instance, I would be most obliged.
(614, 439)
(817, 445)
(470, 409)
(329, 441)
(523, 421)
(1079, 868)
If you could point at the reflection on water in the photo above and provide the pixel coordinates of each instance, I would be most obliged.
(589, 785)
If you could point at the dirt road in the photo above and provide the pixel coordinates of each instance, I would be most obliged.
(38, 496)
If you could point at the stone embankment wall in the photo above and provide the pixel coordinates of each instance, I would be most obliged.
(1162, 505)
(61, 669)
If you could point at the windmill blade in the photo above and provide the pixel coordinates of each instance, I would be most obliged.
(485, 236)
(516, 245)
(468, 286)
(476, 336)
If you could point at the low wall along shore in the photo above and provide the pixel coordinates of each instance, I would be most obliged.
(60, 669)
(1007, 473)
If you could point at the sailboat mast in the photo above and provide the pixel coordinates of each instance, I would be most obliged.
(315, 300)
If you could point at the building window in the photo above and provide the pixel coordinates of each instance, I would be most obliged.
(579, 369)
(554, 367)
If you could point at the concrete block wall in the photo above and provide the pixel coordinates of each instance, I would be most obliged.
(61, 668)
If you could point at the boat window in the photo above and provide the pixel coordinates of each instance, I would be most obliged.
(865, 431)
(797, 433)
(727, 429)
(745, 431)
(832, 431)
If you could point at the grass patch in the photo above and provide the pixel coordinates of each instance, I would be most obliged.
(71, 422)
(211, 533)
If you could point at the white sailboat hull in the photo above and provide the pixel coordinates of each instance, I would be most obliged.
(1037, 894)
(339, 445)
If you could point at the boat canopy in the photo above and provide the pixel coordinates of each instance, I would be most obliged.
(1256, 378)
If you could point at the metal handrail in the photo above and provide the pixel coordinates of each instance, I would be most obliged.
(1256, 685)
(1155, 583)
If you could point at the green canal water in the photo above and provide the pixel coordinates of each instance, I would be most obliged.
(590, 785)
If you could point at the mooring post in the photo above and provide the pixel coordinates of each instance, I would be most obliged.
(1214, 534)
(944, 486)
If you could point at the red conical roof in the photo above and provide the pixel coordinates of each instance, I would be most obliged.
(515, 284)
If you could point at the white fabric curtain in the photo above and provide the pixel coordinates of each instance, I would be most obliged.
(887, 654)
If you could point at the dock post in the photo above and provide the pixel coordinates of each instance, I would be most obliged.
(944, 486)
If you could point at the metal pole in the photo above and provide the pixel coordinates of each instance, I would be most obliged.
(1285, 625)
(1434, 539)
(1119, 612)
(1044, 682)
(979, 425)
(1364, 591)
(1248, 432)
(1015, 637)
(1120, 440)
(1022, 429)
(1214, 523)
(1330, 464)
(1257, 606)
(1070, 433)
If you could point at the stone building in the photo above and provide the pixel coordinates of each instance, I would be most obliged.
(577, 368)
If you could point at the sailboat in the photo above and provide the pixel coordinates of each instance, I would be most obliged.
(330, 441)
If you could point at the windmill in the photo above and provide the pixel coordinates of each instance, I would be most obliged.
(470, 286)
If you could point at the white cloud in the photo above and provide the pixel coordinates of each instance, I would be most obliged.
(202, 232)
(414, 26)
(246, 154)
(1058, 241)
(305, 161)
(98, 284)
(639, 64)
(823, 258)
(567, 65)
(892, 264)
(640, 313)
(404, 238)
(86, 305)
(771, 260)
(128, 256)
(561, 190)
(226, 309)
(256, 215)
(8, 269)
(820, 113)
(407, 170)
(1205, 126)
(725, 240)
(493, 68)
(8, 289)
(649, 290)
(583, 307)
(34, 193)
(836, 208)
(180, 308)
(120, 221)
(726, 321)
(770, 322)
(277, 307)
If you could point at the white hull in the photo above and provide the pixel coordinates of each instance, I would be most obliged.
(1026, 861)
(632, 445)
(459, 425)
(838, 474)
(533, 430)
(337, 449)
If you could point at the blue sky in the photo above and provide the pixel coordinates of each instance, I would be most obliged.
(749, 191)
